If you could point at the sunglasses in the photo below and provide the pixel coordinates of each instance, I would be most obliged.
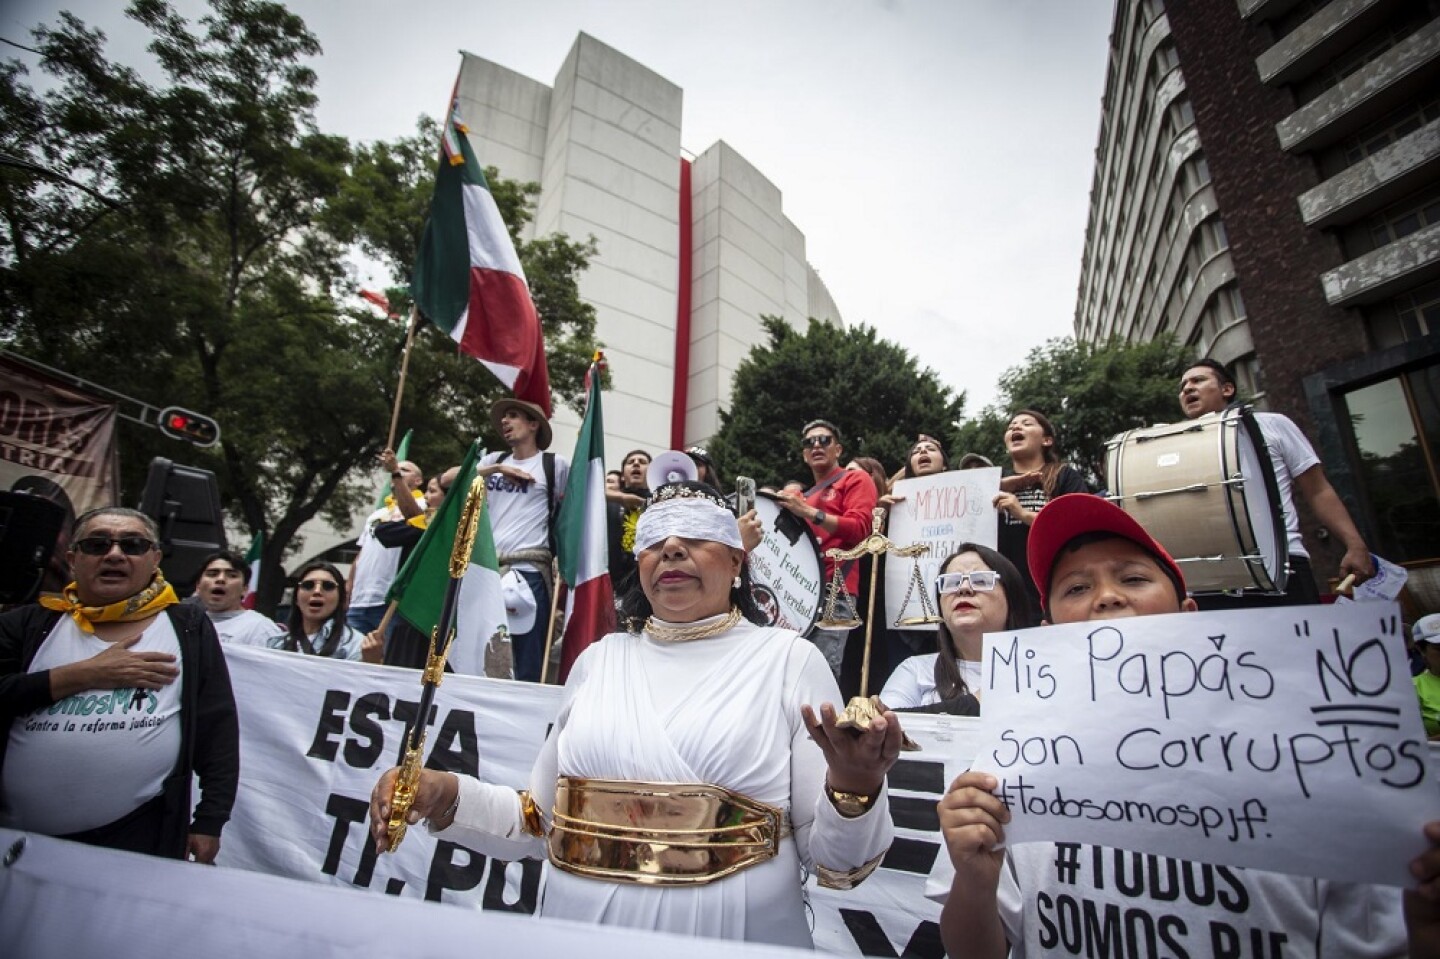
(824, 439)
(979, 580)
(324, 585)
(101, 545)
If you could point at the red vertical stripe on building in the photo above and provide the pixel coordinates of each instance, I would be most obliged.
(682, 316)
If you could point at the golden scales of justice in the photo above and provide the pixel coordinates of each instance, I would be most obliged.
(874, 546)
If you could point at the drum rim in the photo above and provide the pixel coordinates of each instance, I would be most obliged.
(774, 498)
(1228, 423)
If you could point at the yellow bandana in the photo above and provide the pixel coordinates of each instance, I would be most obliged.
(390, 498)
(143, 604)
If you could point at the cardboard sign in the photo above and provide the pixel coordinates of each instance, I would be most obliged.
(942, 511)
(1230, 737)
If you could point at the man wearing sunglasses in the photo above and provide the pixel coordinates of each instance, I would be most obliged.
(99, 742)
(837, 506)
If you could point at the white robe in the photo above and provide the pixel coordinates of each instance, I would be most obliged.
(724, 711)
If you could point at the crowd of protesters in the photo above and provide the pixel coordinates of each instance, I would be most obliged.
(120, 630)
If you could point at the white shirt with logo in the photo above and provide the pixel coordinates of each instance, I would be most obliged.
(520, 512)
(96, 756)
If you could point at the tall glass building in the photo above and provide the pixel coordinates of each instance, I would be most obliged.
(1267, 189)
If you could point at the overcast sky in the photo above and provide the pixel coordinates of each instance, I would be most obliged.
(937, 154)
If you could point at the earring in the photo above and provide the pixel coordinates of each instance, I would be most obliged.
(735, 583)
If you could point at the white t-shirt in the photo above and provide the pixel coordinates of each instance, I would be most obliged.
(1290, 454)
(1069, 899)
(244, 627)
(520, 512)
(913, 682)
(98, 755)
(376, 564)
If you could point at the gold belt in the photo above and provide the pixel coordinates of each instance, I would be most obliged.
(659, 834)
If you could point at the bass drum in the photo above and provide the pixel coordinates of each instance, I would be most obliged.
(1206, 491)
(786, 574)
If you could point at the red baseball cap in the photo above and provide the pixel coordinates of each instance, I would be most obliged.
(1074, 514)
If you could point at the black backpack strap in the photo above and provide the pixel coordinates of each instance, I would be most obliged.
(548, 459)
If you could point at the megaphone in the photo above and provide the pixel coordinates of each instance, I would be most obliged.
(671, 466)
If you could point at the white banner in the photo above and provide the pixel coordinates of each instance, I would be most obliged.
(309, 728)
(62, 900)
(1225, 737)
(941, 511)
(315, 734)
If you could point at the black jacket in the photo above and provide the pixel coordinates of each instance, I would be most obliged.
(209, 725)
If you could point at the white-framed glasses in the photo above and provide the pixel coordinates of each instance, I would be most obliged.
(979, 580)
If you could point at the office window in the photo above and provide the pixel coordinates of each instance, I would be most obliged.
(1404, 218)
(1397, 125)
(1395, 427)
(1183, 112)
(1166, 59)
(1419, 311)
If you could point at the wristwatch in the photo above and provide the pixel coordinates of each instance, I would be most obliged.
(849, 805)
(819, 519)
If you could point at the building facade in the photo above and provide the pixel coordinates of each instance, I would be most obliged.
(691, 251)
(1267, 189)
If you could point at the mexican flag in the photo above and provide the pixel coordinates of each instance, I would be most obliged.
(252, 560)
(580, 531)
(467, 278)
(402, 453)
(420, 587)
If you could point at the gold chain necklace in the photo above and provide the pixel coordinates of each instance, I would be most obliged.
(685, 634)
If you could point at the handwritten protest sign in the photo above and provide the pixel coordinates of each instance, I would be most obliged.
(1239, 738)
(942, 511)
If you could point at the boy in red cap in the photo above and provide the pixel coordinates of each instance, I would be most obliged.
(1091, 560)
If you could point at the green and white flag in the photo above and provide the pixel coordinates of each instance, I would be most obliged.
(482, 639)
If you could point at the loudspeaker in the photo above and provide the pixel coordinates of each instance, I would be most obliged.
(671, 466)
(184, 501)
(29, 528)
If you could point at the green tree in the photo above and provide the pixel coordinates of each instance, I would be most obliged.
(872, 389)
(1090, 392)
(204, 263)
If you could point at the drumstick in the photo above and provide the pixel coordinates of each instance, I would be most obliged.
(1346, 586)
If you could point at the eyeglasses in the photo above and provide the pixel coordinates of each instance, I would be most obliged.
(979, 580)
(822, 439)
(324, 585)
(101, 545)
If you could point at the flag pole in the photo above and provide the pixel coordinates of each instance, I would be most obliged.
(556, 582)
(404, 369)
(412, 747)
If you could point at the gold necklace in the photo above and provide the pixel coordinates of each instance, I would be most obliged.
(685, 634)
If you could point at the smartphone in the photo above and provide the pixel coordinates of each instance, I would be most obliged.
(744, 495)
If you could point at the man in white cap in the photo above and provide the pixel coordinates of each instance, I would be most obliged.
(524, 484)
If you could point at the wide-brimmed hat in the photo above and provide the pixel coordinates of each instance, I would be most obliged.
(542, 435)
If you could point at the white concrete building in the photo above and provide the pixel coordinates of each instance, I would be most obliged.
(690, 253)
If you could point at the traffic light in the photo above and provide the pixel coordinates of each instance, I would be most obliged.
(180, 424)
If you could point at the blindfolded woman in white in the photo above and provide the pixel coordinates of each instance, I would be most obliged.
(687, 778)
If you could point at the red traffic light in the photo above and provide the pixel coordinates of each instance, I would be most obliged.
(181, 424)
